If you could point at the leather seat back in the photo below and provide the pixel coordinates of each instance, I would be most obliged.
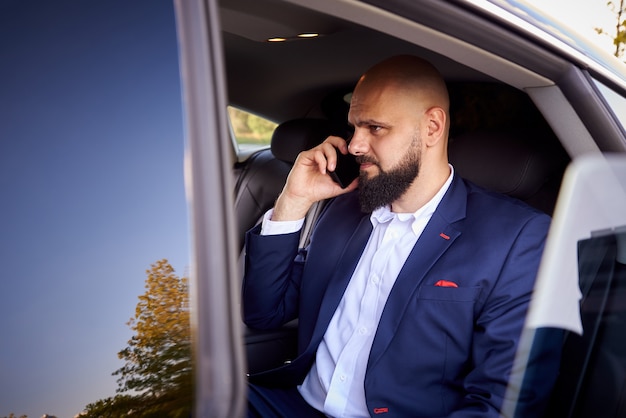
(264, 174)
(510, 164)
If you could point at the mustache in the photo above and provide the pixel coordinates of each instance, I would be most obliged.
(362, 159)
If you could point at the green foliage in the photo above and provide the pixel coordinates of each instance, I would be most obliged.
(620, 39)
(117, 407)
(262, 127)
(156, 380)
(619, 36)
(127, 406)
(249, 128)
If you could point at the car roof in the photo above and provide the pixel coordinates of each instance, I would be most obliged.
(554, 34)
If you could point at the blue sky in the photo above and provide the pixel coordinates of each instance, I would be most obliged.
(91, 186)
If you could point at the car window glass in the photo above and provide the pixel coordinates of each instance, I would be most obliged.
(616, 102)
(251, 132)
(600, 353)
(93, 201)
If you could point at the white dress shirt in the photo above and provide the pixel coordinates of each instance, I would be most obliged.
(335, 383)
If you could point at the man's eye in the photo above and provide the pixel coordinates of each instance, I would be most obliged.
(375, 128)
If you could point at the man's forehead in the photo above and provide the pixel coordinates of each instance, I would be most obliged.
(364, 108)
(375, 103)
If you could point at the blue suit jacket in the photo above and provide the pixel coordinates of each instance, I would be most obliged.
(438, 351)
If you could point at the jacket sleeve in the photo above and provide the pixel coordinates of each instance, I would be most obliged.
(271, 283)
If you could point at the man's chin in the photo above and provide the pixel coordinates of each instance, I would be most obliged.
(369, 175)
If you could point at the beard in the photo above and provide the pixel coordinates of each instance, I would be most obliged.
(388, 186)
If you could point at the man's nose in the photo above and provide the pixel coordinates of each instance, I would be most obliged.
(358, 144)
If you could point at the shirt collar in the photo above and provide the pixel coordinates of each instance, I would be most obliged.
(384, 214)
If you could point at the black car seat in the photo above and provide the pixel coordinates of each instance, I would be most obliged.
(263, 174)
(510, 163)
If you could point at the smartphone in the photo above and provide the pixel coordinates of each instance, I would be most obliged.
(347, 169)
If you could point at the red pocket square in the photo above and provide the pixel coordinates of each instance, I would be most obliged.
(446, 283)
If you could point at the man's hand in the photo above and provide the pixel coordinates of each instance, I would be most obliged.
(308, 181)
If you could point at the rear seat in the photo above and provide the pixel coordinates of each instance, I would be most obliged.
(265, 172)
(511, 164)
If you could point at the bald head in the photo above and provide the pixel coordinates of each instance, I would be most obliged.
(411, 75)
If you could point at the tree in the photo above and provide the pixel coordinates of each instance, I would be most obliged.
(619, 37)
(120, 406)
(156, 380)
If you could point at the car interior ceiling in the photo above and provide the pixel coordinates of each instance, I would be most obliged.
(291, 79)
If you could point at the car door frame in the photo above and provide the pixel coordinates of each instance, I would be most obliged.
(220, 380)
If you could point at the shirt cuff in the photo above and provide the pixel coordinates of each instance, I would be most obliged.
(269, 227)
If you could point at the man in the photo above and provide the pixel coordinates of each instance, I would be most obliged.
(413, 292)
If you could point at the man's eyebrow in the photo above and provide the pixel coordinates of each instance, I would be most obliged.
(369, 122)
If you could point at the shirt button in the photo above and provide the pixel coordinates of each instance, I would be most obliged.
(362, 330)
(375, 279)
(342, 377)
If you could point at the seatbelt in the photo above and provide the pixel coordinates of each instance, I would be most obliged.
(309, 222)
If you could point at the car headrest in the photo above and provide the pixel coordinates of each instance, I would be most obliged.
(297, 135)
(502, 162)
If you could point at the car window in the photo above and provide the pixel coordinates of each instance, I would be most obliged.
(579, 288)
(602, 350)
(251, 132)
(616, 102)
(93, 196)
(599, 353)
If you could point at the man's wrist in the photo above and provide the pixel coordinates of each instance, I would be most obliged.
(290, 209)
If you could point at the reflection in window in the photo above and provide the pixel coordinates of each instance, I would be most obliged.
(594, 364)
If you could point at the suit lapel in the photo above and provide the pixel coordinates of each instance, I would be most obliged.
(436, 238)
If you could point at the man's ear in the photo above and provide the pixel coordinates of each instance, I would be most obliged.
(436, 127)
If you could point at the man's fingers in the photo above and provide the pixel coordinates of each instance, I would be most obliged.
(329, 147)
(320, 158)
